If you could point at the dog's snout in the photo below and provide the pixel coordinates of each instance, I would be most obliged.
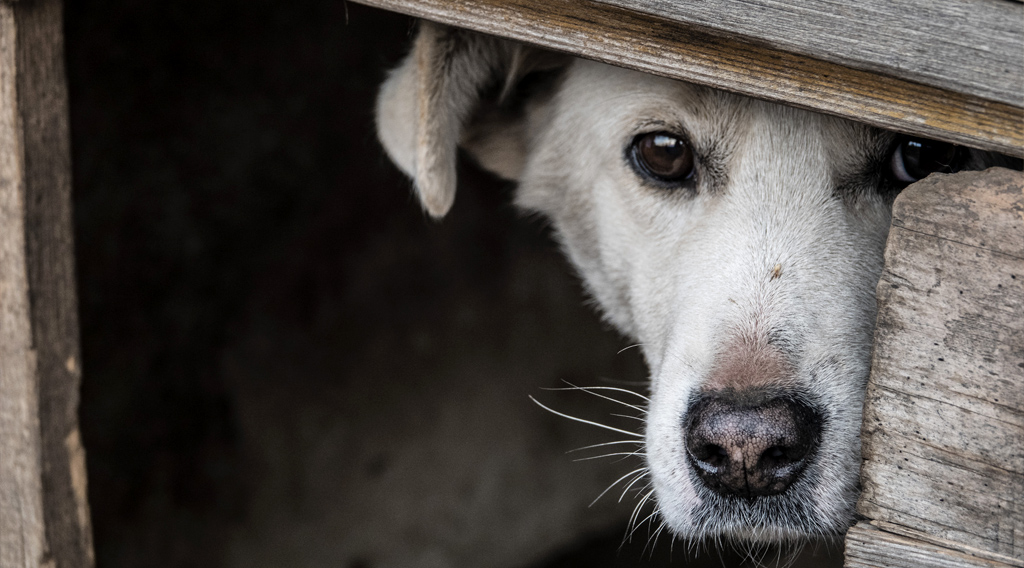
(750, 445)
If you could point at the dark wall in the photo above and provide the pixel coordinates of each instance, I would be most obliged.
(209, 140)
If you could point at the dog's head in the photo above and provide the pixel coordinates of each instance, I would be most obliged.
(739, 242)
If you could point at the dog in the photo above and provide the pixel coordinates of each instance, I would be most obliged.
(737, 241)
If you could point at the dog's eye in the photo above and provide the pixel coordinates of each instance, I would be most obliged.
(662, 156)
(915, 158)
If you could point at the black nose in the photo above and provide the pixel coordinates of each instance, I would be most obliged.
(750, 444)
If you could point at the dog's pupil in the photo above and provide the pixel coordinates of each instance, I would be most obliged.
(915, 158)
(665, 156)
(922, 157)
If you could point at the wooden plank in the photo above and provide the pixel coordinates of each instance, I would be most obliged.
(679, 50)
(49, 246)
(943, 438)
(974, 47)
(22, 533)
(39, 358)
(869, 547)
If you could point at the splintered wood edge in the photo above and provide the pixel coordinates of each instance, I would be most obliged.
(678, 51)
(872, 544)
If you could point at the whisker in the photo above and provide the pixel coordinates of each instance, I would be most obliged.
(616, 482)
(641, 442)
(616, 389)
(748, 552)
(645, 384)
(718, 548)
(582, 421)
(652, 540)
(632, 483)
(628, 347)
(640, 418)
(641, 523)
(796, 549)
(636, 513)
(590, 391)
(588, 458)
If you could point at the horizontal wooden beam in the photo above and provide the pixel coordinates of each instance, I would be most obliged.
(974, 47)
(680, 50)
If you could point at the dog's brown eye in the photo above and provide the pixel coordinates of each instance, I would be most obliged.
(662, 156)
(915, 158)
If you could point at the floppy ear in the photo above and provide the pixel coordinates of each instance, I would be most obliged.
(425, 107)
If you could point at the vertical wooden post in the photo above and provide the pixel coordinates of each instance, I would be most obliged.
(22, 535)
(44, 514)
(943, 438)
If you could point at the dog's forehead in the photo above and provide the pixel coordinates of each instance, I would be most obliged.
(625, 96)
(628, 101)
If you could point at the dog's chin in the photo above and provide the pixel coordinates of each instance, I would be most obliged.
(788, 518)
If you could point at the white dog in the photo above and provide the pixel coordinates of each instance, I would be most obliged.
(739, 242)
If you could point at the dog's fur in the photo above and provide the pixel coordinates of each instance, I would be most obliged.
(760, 275)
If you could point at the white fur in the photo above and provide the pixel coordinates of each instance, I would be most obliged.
(683, 273)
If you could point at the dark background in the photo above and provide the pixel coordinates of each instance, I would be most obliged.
(236, 221)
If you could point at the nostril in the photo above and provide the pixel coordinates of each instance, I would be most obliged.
(781, 456)
(774, 456)
(712, 455)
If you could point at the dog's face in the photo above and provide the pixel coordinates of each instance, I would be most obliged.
(739, 242)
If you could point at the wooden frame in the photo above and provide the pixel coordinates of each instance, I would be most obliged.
(44, 513)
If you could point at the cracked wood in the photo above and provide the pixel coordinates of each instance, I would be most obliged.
(943, 438)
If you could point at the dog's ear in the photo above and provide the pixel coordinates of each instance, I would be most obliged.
(456, 87)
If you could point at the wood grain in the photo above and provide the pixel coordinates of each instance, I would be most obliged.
(869, 547)
(682, 51)
(22, 532)
(49, 246)
(974, 47)
(45, 495)
(943, 438)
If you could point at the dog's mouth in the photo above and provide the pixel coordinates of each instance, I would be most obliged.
(748, 467)
(752, 466)
(785, 516)
(791, 515)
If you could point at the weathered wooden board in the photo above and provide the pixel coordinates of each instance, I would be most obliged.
(44, 514)
(680, 50)
(943, 438)
(869, 547)
(974, 47)
(22, 535)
